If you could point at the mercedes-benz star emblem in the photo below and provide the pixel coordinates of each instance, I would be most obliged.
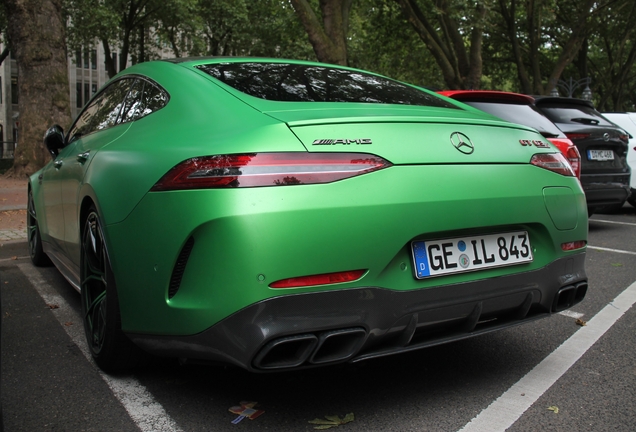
(606, 137)
(462, 143)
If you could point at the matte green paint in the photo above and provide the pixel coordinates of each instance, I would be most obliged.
(366, 222)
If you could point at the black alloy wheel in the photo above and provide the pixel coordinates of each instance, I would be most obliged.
(110, 348)
(38, 257)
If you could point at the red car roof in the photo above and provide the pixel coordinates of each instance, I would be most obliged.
(488, 95)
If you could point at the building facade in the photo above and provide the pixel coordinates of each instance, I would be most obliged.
(86, 74)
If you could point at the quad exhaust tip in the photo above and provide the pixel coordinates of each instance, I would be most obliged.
(327, 347)
(568, 296)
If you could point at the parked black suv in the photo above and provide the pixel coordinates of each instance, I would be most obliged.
(605, 173)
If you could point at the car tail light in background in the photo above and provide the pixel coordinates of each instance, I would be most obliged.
(577, 136)
(555, 162)
(267, 169)
(320, 279)
(571, 153)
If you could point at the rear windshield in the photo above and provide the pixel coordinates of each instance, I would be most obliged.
(577, 114)
(527, 115)
(304, 83)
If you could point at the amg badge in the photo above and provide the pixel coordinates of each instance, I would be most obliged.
(342, 141)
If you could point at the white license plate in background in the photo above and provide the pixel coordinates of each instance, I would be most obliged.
(600, 155)
(464, 254)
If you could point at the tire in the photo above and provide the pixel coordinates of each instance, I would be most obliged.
(632, 198)
(110, 347)
(38, 257)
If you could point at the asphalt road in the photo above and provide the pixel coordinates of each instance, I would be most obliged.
(48, 384)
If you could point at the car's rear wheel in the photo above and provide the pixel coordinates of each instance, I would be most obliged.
(110, 348)
(37, 254)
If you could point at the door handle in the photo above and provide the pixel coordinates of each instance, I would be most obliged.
(58, 164)
(82, 157)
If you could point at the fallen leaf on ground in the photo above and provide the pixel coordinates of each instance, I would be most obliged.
(53, 306)
(14, 258)
(554, 408)
(617, 265)
(331, 421)
(581, 322)
(68, 324)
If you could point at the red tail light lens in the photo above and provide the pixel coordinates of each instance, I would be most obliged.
(555, 162)
(570, 151)
(321, 279)
(574, 157)
(267, 169)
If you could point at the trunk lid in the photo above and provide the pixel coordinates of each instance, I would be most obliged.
(414, 135)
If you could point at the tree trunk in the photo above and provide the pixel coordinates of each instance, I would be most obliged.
(508, 15)
(329, 37)
(461, 66)
(37, 35)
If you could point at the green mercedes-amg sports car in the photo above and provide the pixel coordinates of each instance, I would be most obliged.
(277, 214)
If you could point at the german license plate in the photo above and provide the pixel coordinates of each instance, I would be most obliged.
(600, 155)
(465, 254)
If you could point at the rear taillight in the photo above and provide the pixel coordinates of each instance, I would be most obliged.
(574, 157)
(267, 169)
(624, 138)
(320, 279)
(555, 162)
(577, 136)
(571, 153)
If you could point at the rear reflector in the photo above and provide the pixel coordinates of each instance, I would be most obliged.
(321, 279)
(570, 246)
(267, 169)
(555, 162)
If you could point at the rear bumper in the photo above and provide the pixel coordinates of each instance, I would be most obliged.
(305, 330)
(605, 189)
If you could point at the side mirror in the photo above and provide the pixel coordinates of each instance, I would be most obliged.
(54, 140)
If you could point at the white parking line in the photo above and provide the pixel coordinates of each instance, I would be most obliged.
(511, 405)
(147, 413)
(611, 250)
(613, 222)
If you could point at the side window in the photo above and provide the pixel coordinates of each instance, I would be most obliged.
(133, 103)
(154, 99)
(103, 111)
(144, 98)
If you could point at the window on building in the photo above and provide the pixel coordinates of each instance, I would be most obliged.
(93, 89)
(0, 90)
(86, 59)
(115, 61)
(87, 92)
(78, 95)
(78, 58)
(94, 59)
(14, 90)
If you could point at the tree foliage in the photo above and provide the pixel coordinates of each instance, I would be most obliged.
(515, 45)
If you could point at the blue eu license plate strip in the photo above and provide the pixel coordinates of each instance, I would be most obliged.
(466, 254)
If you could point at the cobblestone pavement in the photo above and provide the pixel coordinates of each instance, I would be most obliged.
(12, 209)
(12, 234)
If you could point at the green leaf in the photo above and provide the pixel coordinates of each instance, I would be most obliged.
(324, 422)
